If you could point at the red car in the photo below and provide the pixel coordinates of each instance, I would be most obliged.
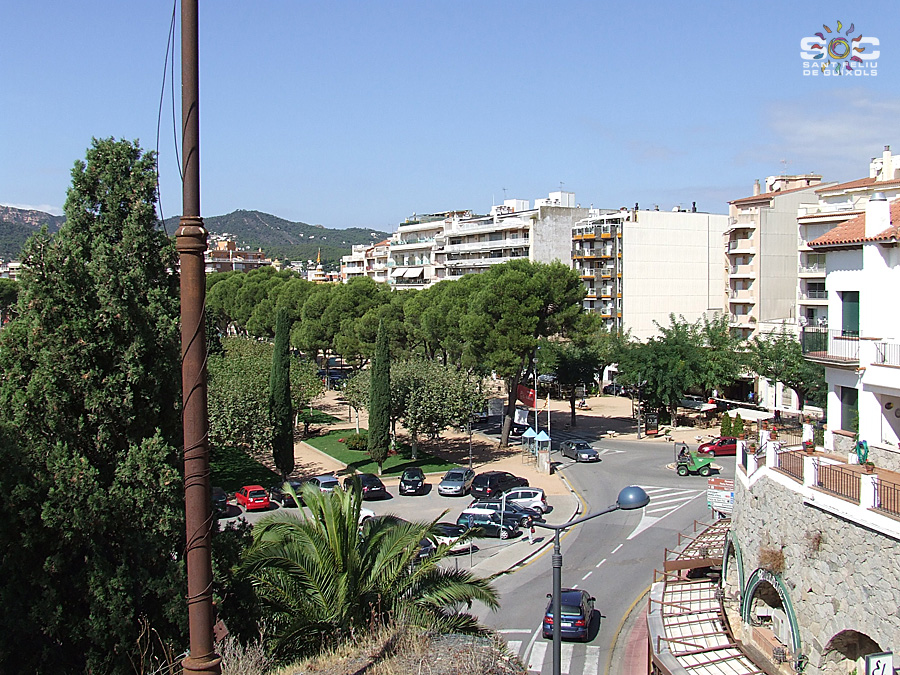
(252, 497)
(724, 445)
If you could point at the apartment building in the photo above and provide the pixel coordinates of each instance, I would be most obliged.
(640, 266)
(761, 252)
(224, 256)
(835, 204)
(366, 261)
(430, 248)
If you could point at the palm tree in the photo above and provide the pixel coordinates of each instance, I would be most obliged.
(322, 576)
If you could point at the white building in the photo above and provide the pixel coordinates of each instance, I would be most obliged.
(427, 249)
(640, 266)
(860, 347)
(366, 260)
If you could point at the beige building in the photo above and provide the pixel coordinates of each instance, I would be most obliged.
(366, 261)
(640, 266)
(224, 256)
(761, 252)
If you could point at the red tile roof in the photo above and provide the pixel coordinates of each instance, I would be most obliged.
(858, 183)
(767, 195)
(853, 231)
(832, 214)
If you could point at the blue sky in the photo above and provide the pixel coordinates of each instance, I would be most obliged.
(360, 113)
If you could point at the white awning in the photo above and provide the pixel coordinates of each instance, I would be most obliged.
(752, 415)
(398, 272)
(413, 272)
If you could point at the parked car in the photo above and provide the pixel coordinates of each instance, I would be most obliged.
(325, 483)
(278, 493)
(372, 487)
(426, 546)
(614, 389)
(481, 414)
(219, 500)
(724, 445)
(580, 451)
(529, 497)
(412, 481)
(456, 482)
(520, 514)
(576, 609)
(252, 498)
(489, 523)
(492, 483)
(365, 514)
(449, 534)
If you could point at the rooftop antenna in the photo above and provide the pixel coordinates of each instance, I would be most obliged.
(784, 166)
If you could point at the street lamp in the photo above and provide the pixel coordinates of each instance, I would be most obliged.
(631, 497)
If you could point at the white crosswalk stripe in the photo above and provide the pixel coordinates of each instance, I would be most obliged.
(591, 661)
(536, 658)
(514, 646)
(565, 657)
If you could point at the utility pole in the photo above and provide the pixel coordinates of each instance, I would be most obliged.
(191, 243)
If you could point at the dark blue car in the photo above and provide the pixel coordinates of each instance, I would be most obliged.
(576, 608)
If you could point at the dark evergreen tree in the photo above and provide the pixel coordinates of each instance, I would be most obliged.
(90, 389)
(280, 409)
(380, 400)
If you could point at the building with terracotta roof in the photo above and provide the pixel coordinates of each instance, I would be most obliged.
(860, 347)
(761, 252)
(366, 261)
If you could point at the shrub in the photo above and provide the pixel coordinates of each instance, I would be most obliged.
(772, 559)
(357, 442)
(725, 429)
(737, 426)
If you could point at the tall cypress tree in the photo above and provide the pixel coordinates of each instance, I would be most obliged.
(380, 399)
(280, 410)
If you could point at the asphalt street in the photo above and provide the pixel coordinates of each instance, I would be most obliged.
(613, 556)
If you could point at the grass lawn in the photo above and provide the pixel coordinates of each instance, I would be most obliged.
(232, 468)
(330, 444)
(317, 417)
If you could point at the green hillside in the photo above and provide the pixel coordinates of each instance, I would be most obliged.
(16, 225)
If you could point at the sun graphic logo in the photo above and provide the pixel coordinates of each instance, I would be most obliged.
(839, 52)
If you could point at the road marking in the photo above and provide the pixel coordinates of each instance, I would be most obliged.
(617, 548)
(674, 500)
(537, 631)
(565, 658)
(514, 630)
(601, 562)
(536, 660)
(649, 521)
(591, 661)
(587, 575)
(514, 646)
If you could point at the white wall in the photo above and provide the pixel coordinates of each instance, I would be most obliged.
(672, 263)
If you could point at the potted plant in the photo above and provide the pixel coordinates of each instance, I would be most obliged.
(869, 467)
(809, 447)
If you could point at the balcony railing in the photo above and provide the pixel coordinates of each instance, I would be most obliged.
(887, 353)
(812, 269)
(815, 294)
(887, 496)
(838, 479)
(791, 462)
(829, 345)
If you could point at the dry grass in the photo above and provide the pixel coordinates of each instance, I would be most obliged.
(771, 559)
(412, 652)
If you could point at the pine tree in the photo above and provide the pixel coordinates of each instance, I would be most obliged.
(90, 392)
(280, 409)
(725, 429)
(380, 400)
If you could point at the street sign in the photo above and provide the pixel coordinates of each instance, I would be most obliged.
(720, 494)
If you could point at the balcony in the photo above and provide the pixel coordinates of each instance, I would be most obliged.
(830, 346)
(887, 354)
(740, 246)
(742, 295)
(742, 320)
(606, 273)
(741, 271)
(813, 270)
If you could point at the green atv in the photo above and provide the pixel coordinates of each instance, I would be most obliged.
(687, 461)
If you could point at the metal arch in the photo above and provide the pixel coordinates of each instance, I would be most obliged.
(760, 575)
(731, 542)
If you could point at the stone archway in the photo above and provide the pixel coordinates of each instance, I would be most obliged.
(844, 652)
(766, 604)
(732, 581)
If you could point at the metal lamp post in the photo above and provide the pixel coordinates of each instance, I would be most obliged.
(631, 497)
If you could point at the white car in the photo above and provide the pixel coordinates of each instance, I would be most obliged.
(365, 514)
(528, 497)
(450, 533)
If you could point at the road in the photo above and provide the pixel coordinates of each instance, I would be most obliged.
(613, 556)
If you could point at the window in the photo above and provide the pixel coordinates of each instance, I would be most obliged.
(850, 313)
(816, 290)
(849, 412)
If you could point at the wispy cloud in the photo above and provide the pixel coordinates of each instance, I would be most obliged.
(834, 133)
(46, 208)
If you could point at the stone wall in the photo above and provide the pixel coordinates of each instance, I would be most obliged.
(840, 576)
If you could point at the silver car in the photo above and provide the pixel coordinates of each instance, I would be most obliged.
(456, 482)
(580, 451)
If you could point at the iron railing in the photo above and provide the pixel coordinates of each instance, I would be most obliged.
(791, 463)
(887, 496)
(887, 353)
(837, 479)
(829, 344)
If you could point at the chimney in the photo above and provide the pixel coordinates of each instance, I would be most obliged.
(756, 188)
(878, 215)
(887, 165)
(693, 207)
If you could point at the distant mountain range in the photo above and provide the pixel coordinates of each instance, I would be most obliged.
(277, 237)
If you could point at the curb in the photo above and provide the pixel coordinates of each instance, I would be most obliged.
(626, 618)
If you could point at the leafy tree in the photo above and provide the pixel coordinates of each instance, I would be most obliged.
(306, 386)
(319, 579)
(380, 400)
(280, 409)
(90, 389)
(511, 307)
(725, 354)
(239, 396)
(430, 397)
(779, 358)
